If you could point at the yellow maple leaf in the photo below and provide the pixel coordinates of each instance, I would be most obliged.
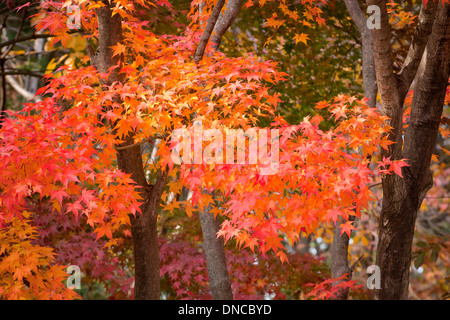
(301, 38)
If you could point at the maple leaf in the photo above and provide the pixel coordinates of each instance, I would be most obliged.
(397, 165)
(282, 256)
(217, 92)
(87, 196)
(447, 152)
(189, 209)
(118, 49)
(385, 143)
(334, 214)
(301, 38)
(347, 227)
(171, 206)
(104, 230)
(193, 182)
(75, 207)
(135, 207)
(58, 195)
(273, 99)
(274, 23)
(339, 111)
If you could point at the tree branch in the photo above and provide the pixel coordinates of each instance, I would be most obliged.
(357, 15)
(386, 79)
(375, 185)
(19, 31)
(224, 21)
(208, 30)
(25, 38)
(418, 44)
(214, 246)
(339, 258)
(22, 91)
(353, 267)
(138, 143)
(21, 72)
(434, 73)
(368, 61)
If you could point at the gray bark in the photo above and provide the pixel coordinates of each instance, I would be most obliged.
(368, 63)
(339, 260)
(215, 257)
(340, 244)
(214, 247)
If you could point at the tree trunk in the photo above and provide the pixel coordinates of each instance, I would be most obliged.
(430, 48)
(339, 260)
(143, 227)
(340, 244)
(215, 257)
(219, 280)
(400, 208)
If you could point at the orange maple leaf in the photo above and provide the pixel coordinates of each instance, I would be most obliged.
(301, 38)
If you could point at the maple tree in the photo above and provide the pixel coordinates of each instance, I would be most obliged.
(98, 149)
(402, 198)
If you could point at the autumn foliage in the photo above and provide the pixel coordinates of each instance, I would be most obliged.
(60, 183)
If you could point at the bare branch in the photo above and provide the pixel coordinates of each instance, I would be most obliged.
(353, 267)
(433, 75)
(375, 185)
(22, 72)
(19, 31)
(22, 91)
(25, 38)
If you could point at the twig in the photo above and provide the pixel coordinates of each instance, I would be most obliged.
(321, 165)
(19, 31)
(375, 185)
(353, 267)
(25, 38)
(138, 143)
(437, 197)
(21, 72)
(36, 52)
(130, 146)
